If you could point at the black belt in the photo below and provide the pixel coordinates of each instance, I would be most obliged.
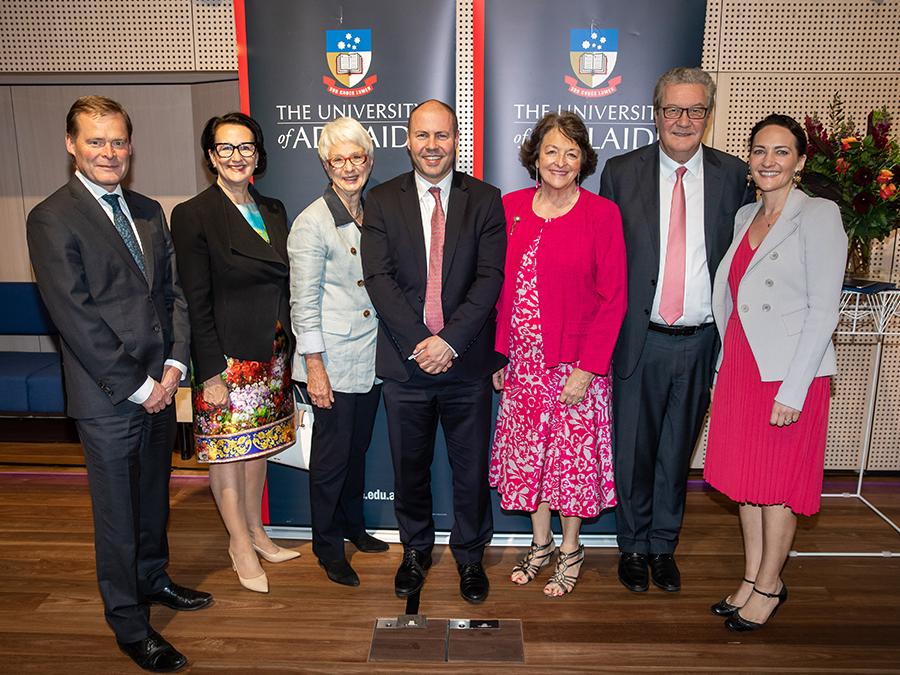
(678, 330)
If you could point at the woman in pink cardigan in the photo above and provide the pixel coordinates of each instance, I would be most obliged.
(558, 318)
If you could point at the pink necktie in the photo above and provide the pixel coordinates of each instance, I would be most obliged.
(671, 305)
(434, 311)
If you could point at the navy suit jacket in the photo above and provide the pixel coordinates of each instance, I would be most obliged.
(116, 325)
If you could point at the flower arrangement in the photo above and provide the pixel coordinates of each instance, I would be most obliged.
(860, 172)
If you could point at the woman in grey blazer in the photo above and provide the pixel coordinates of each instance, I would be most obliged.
(775, 300)
(335, 325)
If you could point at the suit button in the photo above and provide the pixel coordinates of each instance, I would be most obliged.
(653, 282)
(766, 308)
(769, 283)
(360, 283)
(352, 250)
(745, 308)
(647, 312)
(774, 255)
(367, 313)
(155, 329)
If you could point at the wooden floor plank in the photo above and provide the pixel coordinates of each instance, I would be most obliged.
(843, 614)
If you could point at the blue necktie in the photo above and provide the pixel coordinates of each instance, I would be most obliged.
(123, 227)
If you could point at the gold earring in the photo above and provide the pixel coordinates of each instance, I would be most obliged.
(749, 178)
(796, 178)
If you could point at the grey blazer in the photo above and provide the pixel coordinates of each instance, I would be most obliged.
(789, 297)
(330, 310)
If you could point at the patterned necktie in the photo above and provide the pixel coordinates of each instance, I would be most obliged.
(123, 227)
(671, 305)
(434, 311)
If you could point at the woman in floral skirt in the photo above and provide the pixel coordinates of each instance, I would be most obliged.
(231, 247)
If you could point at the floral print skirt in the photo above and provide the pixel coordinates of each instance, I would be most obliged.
(258, 419)
(544, 450)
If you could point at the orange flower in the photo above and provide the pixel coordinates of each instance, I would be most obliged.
(884, 176)
(887, 191)
(841, 165)
(847, 142)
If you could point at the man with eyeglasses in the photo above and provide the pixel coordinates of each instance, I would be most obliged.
(105, 267)
(678, 198)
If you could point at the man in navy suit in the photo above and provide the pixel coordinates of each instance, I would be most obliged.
(105, 266)
(678, 199)
(433, 248)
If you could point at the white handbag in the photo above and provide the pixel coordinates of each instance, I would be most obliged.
(297, 455)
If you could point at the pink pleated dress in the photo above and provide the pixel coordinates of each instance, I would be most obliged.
(748, 459)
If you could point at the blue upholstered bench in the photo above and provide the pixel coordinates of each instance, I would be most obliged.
(30, 382)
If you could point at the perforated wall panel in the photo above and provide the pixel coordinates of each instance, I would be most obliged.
(791, 36)
(214, 41)
(39, 36)
(464, 77)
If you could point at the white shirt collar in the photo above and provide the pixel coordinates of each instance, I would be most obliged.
(667, 165)
(423, 186)
(98, 190)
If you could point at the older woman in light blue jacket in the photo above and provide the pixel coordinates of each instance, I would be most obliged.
(335, 325)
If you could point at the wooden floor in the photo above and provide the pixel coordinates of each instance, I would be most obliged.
(843, 614)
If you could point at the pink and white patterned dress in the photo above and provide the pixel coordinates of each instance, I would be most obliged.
(545, 451)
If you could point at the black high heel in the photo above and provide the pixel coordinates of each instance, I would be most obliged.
(739, 624)
(723, 607)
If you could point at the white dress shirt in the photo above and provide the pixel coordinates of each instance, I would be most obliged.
(697, 284)
(98, 191)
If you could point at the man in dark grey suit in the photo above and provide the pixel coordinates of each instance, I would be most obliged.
(105, 266)
(678, 199)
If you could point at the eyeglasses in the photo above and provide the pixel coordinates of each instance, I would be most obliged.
(226, 150)
(355, 160)
(674, 112)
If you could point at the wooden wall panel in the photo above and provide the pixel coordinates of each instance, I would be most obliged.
(13, 264)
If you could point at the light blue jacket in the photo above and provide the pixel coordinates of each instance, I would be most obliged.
(331, 312)
(789, 298)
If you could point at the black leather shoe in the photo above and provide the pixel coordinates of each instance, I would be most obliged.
(664, 572)
(366, 543)
(411, 574)
(725, 608)
(473, 582)
(633, 571)
(178, 597)
(739, 624)
(340, 572)
(153, 653)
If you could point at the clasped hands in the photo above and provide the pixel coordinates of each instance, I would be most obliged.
(164, 391)
(573, 391)
(433, 355)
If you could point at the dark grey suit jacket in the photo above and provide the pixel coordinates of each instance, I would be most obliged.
(632, 182)
(395, 269)
(116, 325)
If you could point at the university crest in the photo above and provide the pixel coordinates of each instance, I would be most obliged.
(592, 54)
(349, 55)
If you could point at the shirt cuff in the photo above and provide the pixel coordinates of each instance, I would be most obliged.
(310, 342)
(143, 392)
(179, 365)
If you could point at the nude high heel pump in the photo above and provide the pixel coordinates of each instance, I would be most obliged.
(281, 555)
(259, 584)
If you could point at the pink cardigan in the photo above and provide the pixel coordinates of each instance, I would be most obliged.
(581, 278)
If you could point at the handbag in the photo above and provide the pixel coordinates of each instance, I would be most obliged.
(297, 455)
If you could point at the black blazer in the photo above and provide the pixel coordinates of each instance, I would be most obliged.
(236, 284)
(632, 182)
(116, 326)
(393, 258)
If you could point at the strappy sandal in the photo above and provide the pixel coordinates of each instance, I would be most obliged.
(563, 562)
(537, 557)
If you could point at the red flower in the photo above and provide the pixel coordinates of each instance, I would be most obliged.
(884, 176)
(841, 165)
(888, 191)
(863, 202)
(847, 142)
(863, 176)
